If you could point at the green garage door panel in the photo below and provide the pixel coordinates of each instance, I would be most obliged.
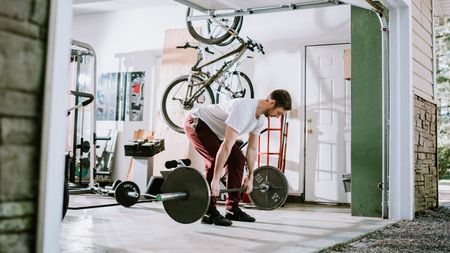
(366, 147)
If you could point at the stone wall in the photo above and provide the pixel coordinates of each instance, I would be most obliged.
(23, 32)
(425, 154)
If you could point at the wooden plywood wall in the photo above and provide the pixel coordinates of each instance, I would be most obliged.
(175, 62)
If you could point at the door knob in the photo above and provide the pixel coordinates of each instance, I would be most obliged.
(309, 130)
(309, 120)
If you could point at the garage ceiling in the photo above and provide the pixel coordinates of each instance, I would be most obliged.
(83, 7)
(259, 4)
(239, 4)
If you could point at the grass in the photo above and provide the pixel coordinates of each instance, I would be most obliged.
(445, 176)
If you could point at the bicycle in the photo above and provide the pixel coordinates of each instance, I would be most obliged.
(220, 30)
(233, 83)
(194, 89)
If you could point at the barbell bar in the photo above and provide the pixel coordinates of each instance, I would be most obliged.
(186, 195)
(182, 195)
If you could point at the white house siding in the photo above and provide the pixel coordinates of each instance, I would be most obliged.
(422, 39)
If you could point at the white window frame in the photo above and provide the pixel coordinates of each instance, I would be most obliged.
(401, 162)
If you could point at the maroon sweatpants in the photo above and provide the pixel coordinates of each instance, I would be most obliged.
(207, 144)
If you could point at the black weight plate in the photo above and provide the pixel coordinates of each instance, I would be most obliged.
(121, 193)
(85, 146)
(192, 208)
(278, 193)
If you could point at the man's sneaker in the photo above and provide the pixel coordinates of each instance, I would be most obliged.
(214, 217)
(238, 215)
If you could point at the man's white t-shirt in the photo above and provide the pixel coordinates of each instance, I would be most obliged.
(239, 114)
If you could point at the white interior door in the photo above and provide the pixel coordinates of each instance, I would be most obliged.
(327, 122)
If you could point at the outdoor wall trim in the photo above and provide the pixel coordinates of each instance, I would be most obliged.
(433, 30)
(54, 128)
(401, 176)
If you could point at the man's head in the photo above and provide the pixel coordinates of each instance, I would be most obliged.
(280, 101)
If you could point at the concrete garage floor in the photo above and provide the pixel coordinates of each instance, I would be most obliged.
(146, 228)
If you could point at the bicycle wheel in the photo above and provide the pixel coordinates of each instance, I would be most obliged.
(217, 33)
(231, 38)
(174, 107)
(234, 85)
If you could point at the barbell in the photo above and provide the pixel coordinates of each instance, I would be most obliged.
(186, 194)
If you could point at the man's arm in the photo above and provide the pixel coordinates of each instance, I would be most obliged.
(221, 158)
(252, 152)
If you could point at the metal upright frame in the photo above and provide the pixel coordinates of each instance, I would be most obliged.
(92, 139)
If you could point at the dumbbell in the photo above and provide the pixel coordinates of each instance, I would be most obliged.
(186, 195)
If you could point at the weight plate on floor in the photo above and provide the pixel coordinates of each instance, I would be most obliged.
(121, 193)
(278, 192)
(192, 208)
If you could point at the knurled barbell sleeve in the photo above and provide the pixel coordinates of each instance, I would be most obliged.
(171, 196)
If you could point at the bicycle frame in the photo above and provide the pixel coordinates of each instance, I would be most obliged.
(239, 52)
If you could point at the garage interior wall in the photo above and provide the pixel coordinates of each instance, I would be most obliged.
(23, 31)
(132, 40)
(366, 147)
(127, 41)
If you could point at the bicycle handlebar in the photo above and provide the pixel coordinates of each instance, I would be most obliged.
(187, 45)
(251, 46)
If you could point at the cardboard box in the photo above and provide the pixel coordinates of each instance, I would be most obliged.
(347, 64)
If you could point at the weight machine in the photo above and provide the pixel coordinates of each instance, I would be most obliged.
(86, 168)
(81, 160)
(81, 141)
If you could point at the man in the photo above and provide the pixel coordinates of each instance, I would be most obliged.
(214, 129)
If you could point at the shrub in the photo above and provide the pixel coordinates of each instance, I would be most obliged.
(444, 161)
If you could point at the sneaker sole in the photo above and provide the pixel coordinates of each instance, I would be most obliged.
(240, 220)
